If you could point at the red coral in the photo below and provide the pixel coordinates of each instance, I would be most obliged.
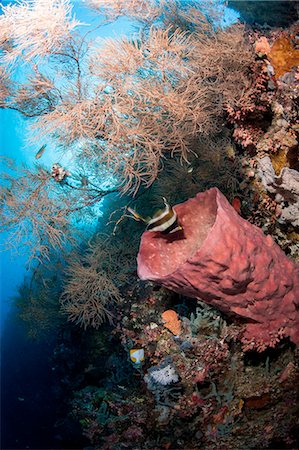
(248, 114)
(133, 433)
(256, 338)
(248, 135)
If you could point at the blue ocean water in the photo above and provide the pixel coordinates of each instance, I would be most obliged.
(29, 401)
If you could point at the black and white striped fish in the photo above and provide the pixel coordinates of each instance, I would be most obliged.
(164, 221)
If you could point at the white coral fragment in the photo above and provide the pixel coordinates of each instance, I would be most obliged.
(165, 376)
(286, 188)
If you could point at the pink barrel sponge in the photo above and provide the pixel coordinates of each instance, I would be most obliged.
(229, 263)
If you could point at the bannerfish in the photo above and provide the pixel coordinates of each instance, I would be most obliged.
(41, 151)
(164, 220)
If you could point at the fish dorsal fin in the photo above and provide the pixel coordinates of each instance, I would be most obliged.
(158, 213)
(167, 205)
(164, 210)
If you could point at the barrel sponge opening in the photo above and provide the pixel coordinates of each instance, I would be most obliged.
(160, 254)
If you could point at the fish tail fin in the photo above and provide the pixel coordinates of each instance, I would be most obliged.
(136, 216)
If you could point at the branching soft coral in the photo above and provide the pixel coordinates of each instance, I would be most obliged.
(94, 281)
(222, 62)
(208, 166)
(38, 307)
(134, 101)
(35, 98)
(31, 213)
(37, 210)
(89, 289)
(143, 10)
(163, 53)
(35, 28)
(5, 84)
(166, 90)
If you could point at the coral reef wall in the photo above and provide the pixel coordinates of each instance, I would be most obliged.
(227, 262)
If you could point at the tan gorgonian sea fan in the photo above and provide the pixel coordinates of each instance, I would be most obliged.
(221, 63)
(35, 97)
(39, 310)
(30, 211)
(87, 294)
(5, 84)
(35, 28)
(163, 53)
(143, 10)
(134, 101)
(69, 120)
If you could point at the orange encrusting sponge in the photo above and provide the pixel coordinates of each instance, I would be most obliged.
(283, 56)
(171, 321)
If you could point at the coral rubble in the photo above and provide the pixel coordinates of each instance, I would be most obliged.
(198, 390)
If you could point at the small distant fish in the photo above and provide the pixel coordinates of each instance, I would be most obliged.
(164, 220)
(90, 368)
(236, 204)
(21, 399)
(137, 355)
(41, 151)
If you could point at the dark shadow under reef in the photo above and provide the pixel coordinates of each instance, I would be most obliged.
(32, 400)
